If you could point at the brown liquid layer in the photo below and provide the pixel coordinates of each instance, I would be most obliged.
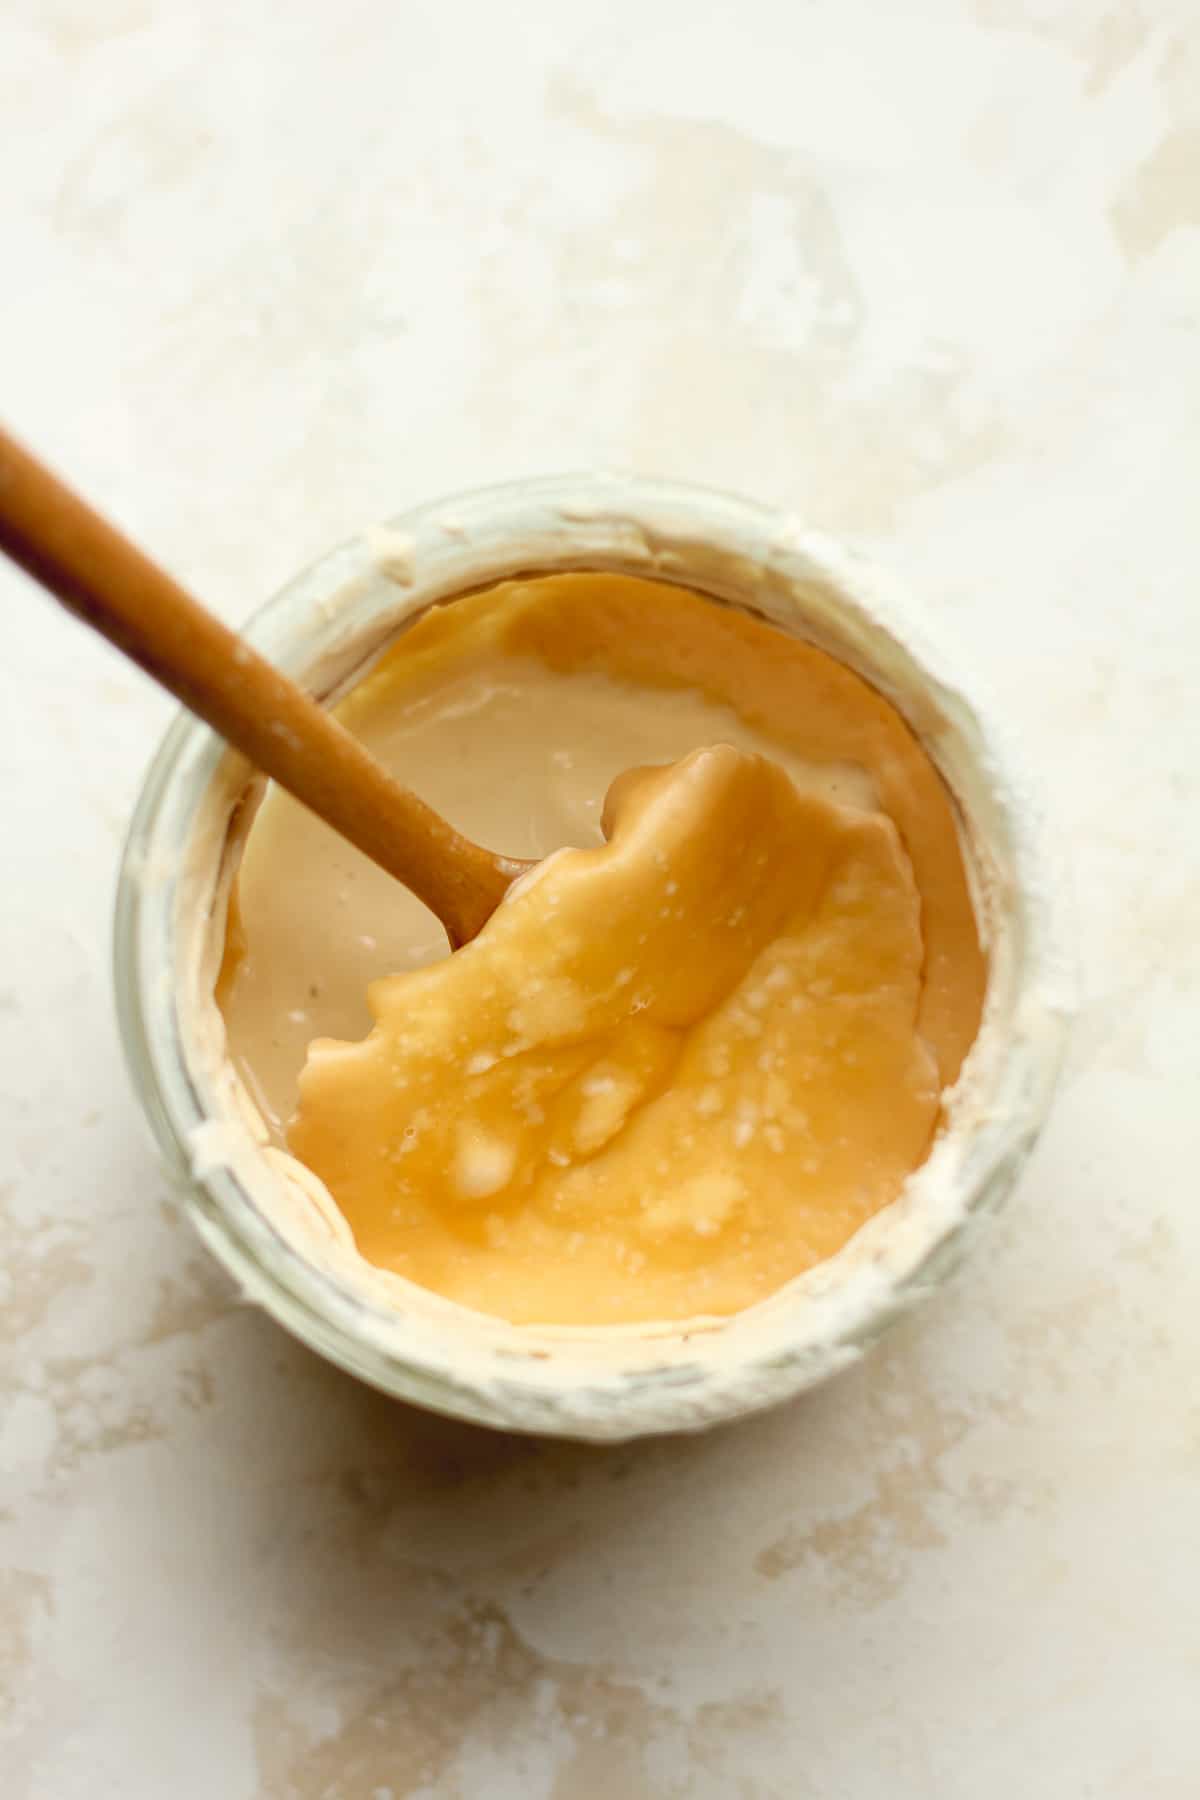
(689, 1190)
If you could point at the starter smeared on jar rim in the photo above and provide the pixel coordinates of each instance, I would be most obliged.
(581, 1151)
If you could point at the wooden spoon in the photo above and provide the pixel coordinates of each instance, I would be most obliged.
(100, 576)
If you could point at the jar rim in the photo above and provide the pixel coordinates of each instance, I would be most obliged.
(322, 626)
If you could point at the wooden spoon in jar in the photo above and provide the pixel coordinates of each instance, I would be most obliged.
(106, 581)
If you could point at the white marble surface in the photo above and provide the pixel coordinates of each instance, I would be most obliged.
(927, 273)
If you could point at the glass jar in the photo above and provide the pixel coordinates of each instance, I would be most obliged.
(268, 1226)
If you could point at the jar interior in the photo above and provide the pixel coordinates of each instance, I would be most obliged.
(274, 1224)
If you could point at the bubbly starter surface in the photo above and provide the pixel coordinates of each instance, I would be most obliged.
(676, 1069)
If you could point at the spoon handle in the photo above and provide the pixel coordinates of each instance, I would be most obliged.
(106, 581)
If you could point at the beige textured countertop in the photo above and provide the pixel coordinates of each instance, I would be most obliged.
(927, 274)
